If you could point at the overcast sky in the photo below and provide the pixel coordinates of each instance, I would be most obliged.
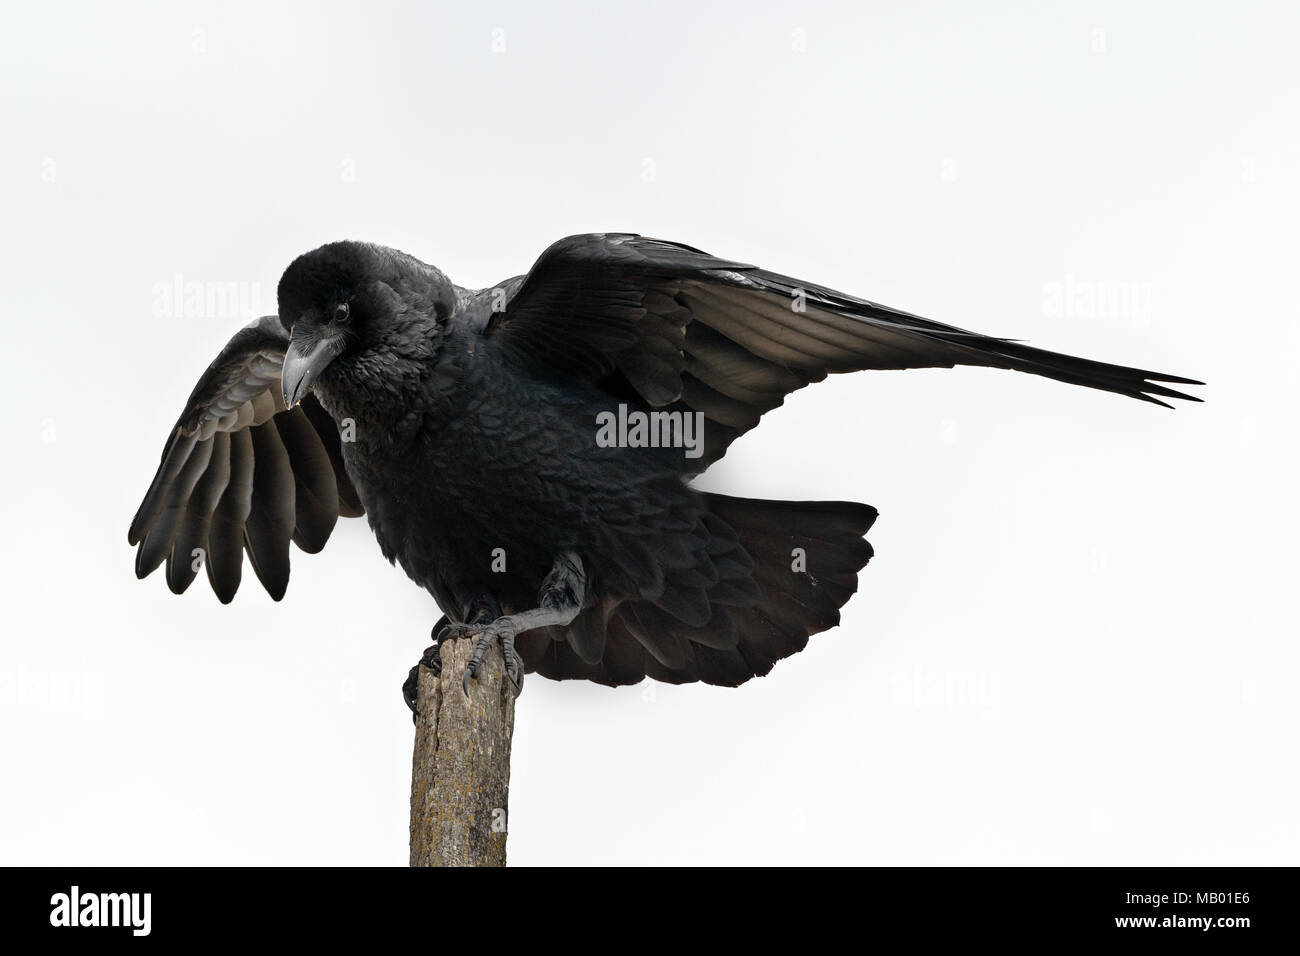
(1076, 642)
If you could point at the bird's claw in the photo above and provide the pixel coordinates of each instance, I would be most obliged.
(411, 690)
(485, 635)
(501, 630)
(432, 659)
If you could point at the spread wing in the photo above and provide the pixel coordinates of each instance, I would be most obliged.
(682, 330)
(241, 472)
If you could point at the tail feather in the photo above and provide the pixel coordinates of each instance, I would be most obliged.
(783, 570)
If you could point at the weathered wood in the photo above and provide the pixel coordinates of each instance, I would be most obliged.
(460, 775)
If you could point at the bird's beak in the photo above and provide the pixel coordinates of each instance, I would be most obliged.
(308, 354)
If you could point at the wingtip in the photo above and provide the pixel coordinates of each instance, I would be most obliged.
(870, 514)
(1153, 386)
(1177, 380)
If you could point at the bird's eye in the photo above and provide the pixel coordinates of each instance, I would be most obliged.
(341, 312)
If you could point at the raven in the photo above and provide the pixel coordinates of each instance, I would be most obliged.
(474, 429)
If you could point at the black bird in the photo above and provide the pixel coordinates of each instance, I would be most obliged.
(500, 443)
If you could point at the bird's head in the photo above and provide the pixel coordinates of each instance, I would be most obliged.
(346, 300)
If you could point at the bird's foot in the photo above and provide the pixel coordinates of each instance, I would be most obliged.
(432, 659)
(503, 630)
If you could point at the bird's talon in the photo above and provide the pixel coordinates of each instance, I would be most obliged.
(432, 659)
(411, 690)
(515, 671)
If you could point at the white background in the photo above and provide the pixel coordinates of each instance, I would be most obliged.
(1076, 643)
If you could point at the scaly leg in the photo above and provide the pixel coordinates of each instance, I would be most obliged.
(482, 610)
(560, 600)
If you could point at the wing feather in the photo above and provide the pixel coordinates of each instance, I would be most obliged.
(684, 330)
(240, 472)
(226, 534)
(269, 527)
(190, 549)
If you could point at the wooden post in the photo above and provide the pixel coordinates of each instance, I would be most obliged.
(460, 775)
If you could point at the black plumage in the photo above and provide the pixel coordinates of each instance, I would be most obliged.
(464, 425)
